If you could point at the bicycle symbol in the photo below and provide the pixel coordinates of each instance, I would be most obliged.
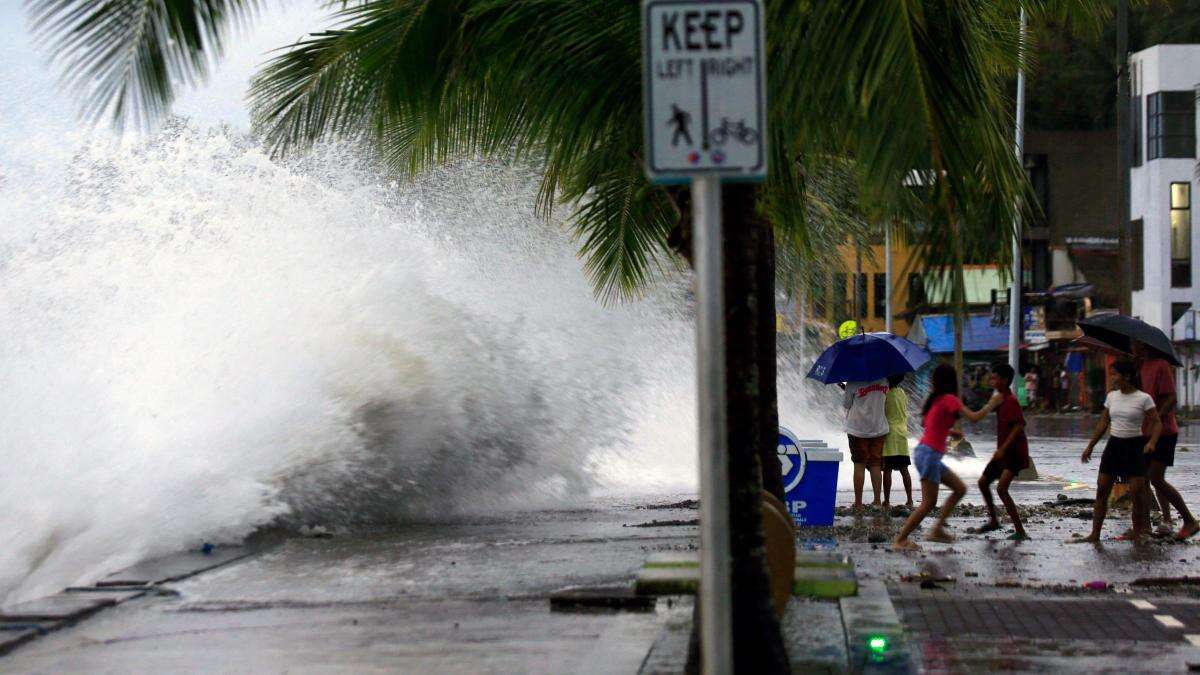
(736, 130)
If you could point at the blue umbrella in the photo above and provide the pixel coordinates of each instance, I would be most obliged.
(866, 357)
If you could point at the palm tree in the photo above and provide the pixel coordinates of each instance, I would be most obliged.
(891, 85)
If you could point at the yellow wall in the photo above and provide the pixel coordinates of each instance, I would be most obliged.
(980, 279)
(872, 264)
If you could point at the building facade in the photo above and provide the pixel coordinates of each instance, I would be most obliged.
(1164, 185)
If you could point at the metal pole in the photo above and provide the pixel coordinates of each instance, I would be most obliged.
(716, 602)
(1124, 227)
(1014, 292)
(887, 276)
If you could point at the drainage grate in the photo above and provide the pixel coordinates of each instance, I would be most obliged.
(1039, 619)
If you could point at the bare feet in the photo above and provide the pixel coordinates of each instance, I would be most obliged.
(905, 545)
(940, 536)
(1188, 530)
(990, 526)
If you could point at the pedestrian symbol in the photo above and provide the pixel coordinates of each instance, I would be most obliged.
(680, 119)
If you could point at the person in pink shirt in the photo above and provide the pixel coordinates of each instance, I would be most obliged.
(942, 410)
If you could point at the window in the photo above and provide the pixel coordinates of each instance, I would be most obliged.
(860, 295)
(1181, 235)
(881, 293)
(1171, 124)
(1138, 253)
(841, 311)
(1037, 167)
(1178, 309)
(916, 291)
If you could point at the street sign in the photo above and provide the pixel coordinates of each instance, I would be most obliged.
(705, 89)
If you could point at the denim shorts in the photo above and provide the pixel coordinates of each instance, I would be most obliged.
(928, 462)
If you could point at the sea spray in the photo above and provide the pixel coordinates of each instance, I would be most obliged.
(200, 342)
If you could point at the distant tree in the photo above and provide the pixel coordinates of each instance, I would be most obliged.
(1073, 80)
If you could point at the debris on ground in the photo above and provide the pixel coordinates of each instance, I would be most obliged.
(687, 504)
(1166, 581)
(1062, 501)
(926, 576)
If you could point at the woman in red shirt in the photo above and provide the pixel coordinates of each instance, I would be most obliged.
(942, 410)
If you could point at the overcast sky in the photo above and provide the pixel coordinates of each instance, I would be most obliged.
(31, 103)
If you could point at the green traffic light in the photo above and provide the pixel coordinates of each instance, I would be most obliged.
(878, 644)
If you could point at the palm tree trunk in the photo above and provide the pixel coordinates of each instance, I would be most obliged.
(767, 360)
(752, 417)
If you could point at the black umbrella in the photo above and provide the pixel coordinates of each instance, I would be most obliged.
(1119, 330)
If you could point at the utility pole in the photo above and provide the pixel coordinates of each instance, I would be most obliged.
(1124, 233)
(887, 276)
(858, 311)
(1014, 292)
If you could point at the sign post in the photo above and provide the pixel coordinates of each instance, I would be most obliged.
(705, 122)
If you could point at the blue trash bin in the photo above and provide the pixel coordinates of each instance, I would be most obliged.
(810, 471)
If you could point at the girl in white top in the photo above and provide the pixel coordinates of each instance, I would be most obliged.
(1125, 411)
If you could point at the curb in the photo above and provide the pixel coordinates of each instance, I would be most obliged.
(875, 638)
(25, 621)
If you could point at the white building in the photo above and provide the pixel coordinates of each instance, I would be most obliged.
(1164, 186)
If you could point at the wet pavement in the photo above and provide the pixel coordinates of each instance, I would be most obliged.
(468, 596)
(985, 604)
(473, 595)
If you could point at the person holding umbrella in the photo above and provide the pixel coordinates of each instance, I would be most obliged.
(863, 363)
(1158, 380)
(1124, 335)
(867, 429)
(1127, 411)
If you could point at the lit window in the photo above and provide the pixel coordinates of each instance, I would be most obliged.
(1181, 235)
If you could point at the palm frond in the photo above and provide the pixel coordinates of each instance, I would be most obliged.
(622, 227)
(128, 57)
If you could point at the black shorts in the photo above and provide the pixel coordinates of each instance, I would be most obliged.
(1015, 463)
(1124, 457)
(896, 462)
(1165, 450)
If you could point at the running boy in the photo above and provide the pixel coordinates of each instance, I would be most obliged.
(1012, 452)
(895, 448)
